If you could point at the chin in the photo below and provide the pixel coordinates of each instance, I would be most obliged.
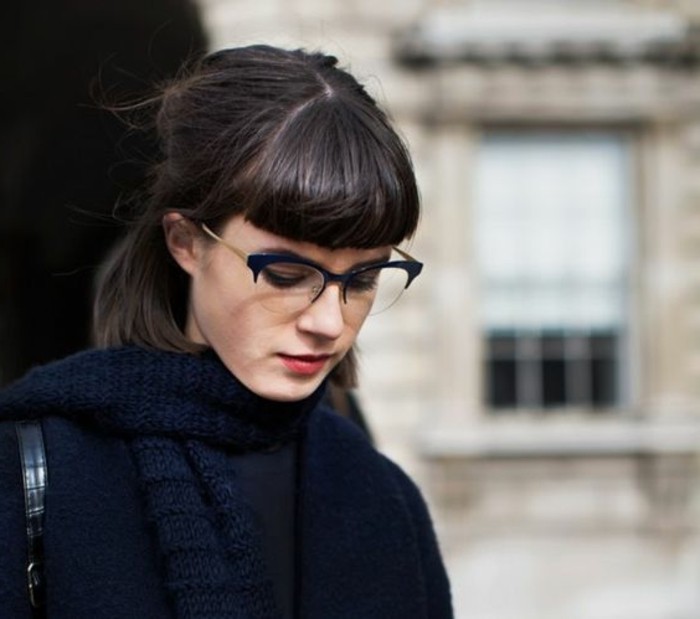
(289, 395)
(285, 390)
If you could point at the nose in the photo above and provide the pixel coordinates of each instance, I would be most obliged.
(324, 317)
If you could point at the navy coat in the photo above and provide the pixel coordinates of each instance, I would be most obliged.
(101, 562)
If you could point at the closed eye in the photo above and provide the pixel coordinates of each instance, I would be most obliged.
(365, 282)
(285, 276)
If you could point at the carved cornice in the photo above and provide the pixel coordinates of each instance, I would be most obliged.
(600, 35)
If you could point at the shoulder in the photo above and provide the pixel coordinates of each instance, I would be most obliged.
(63, 438)
(360, 485)
(79, 458)
(343, 444)
(89, 474)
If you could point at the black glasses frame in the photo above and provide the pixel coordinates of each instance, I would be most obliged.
(256, 262)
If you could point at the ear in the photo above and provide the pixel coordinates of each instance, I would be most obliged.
(182, 239)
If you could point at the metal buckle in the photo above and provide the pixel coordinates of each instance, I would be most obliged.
(35, 584)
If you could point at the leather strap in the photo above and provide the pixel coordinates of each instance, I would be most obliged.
(35, 480)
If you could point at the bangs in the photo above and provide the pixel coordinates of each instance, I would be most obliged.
(335, 175)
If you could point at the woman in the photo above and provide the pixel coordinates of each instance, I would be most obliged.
(194, 470)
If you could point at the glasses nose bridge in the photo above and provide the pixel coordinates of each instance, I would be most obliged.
(334, 278)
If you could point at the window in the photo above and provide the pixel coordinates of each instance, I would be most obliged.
(552, 236)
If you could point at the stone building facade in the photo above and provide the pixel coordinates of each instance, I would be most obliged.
(542, 378)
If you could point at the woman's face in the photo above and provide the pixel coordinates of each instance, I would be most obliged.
(279, 356)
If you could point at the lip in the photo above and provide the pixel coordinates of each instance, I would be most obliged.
(305, 365)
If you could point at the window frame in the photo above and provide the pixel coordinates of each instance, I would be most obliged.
(628, 369)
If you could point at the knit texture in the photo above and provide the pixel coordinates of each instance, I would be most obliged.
(177, 412)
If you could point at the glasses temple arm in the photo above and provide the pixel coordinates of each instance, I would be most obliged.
(405, 255)
(241, 254)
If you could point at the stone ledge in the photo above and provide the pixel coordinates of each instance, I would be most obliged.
(541, 439)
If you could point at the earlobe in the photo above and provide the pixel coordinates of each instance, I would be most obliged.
(181, 239)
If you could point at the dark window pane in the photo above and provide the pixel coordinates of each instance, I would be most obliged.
(553, 382)
(502, 381)
(603, 382)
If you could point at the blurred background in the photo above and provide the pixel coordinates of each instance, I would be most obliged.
(541, 380)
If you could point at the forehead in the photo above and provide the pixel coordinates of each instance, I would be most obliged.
(252, 239)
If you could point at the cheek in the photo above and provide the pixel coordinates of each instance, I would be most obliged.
(232, 322)
(216, 307)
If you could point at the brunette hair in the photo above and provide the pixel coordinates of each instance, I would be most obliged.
(285, 138)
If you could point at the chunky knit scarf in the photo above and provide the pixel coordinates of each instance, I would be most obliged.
(178, 413)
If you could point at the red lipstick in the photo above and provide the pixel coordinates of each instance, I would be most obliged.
(305, 365)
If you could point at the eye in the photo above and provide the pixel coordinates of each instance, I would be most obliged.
(366, 281)
(289, 275)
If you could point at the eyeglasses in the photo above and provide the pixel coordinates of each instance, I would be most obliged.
(289, 284)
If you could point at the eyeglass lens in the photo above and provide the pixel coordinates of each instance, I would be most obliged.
(290, 287)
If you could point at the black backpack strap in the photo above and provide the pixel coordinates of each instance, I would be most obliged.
(35, 480)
